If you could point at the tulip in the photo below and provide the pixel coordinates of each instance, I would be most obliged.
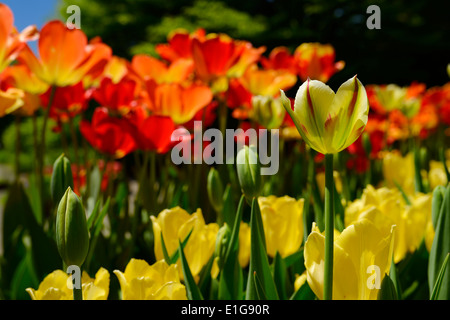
(248, 171)
(62, 178)
(72, 235)
(329, 122)
(215, 190)
(10, 100)
(386, 207)
(244, 244)
(151, 68)
(267, 111)
(360, 250)
(174, 225)
(179, 44)
(316, 61)
(65, 55)
(399, 170)
(151, 132)
(142, 281)
(108, 134)
(11, 42)
(181, 103)
(55, 286)
(283, 224)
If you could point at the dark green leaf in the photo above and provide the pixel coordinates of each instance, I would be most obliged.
(192, 290)
(258, 258)
(387, 289)
(438, 285)
(440, 249)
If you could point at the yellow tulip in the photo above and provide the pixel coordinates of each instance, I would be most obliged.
(437, 175)
(10, 100)
(386, 207)
(175, 224)
(299, 280)
(140, 281)
(329, 122)
(283, 224)
(399, 170)
(55, 286)
(244, 244)
(362, 256)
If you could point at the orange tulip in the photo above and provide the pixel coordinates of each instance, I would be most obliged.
(151, 68)
(11, 42)
(176, 101)
(179, 46)
(65, 56)
(316, 61)
(219, 57)
(280, 59)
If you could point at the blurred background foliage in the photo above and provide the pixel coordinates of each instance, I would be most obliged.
(412, 43)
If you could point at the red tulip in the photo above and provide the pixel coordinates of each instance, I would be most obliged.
(110, 135)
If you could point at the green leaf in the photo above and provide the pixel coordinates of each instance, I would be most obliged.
(303, 293)
(231, 282)
(258, 258)
(259, 287)
(24, 277)
(280, 276)
(93, 216)
(18, 213)
(228, 211)
(174, 257)
(438, 285)
(192, 290)
(387, 289)
(440, 249)
(393, 275)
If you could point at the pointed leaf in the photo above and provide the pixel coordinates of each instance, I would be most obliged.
(440, 249)
(438, 285)
(192, 290)
(258, 258)
(387, 290)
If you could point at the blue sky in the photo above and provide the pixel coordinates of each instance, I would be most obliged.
(28, 12)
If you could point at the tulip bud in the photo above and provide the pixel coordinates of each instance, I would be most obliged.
(215, 190)
(248, 170)
(267, 111)
(222, 240)
(72, 236)
(61, 178)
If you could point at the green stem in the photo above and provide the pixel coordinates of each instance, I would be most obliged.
(17, 158)
(153, 180)
(75, 149)
(41, 158)
(329, 228)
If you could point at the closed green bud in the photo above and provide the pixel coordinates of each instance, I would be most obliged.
(61, 178)
(222, 240)
(267, 111)
(249, 172)
(72, 236)
(215, 190)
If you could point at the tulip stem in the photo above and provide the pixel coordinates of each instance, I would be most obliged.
(17, 158)
(329, 228)
(41, 158)
(77, 294)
